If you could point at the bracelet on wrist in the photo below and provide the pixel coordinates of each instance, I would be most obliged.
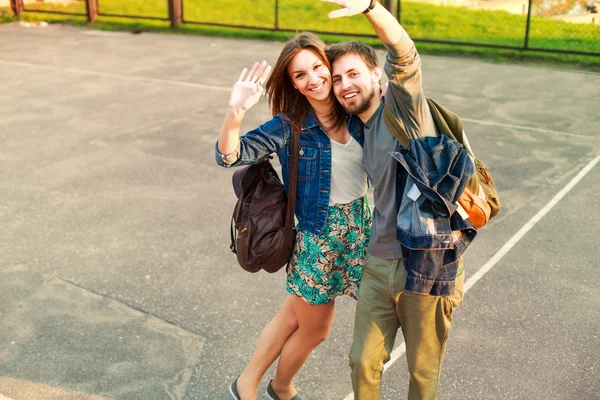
(232, 157)
(371, 6)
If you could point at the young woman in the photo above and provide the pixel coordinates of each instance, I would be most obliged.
(334, 219)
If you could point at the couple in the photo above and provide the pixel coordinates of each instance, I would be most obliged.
(342, 142)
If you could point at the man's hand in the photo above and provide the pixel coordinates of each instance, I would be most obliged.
(349, 7)
(386, 26)
(247, 90)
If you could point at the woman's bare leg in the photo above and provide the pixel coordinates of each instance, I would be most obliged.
(314, 325)
(268, 348)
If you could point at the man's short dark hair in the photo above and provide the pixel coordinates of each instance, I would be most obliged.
(365, 52)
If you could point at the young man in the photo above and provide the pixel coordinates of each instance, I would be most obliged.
(384, 302)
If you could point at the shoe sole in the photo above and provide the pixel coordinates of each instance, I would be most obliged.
(269, 396)
(232, 392)
(273, 398)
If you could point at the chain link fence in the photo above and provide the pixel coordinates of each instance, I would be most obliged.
(555, 26)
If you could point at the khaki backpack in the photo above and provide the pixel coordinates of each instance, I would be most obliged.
(480, 198)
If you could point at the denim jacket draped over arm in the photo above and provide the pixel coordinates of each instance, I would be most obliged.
(430, 228)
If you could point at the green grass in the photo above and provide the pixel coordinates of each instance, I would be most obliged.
(422, 21)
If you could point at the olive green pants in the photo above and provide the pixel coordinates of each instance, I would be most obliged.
(383, 307)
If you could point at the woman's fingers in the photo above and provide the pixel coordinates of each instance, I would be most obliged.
(258, 71)
(249, 85)
(252, 72)
(241, 78)
(264, 75)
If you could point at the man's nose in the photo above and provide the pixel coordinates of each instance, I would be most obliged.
(345, 82)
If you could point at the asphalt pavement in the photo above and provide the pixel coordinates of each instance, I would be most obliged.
(116, 279)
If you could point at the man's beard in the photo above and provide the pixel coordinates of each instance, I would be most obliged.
(362, 107)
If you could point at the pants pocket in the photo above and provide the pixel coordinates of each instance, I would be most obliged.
(456, 299)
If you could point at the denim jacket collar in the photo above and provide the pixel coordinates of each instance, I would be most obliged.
(310, 121)
(355, 125)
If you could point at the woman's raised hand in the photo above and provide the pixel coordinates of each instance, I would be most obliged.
(248, 88)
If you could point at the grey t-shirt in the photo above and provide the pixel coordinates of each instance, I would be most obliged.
(405, 97)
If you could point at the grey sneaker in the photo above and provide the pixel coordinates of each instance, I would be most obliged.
(273, 396)
(233, 389)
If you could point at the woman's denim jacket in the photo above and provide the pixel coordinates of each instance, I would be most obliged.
(314, 164)
(432, 232)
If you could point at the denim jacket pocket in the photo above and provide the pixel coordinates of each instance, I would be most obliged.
(307, 160)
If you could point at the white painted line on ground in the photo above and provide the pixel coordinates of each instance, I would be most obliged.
(119, 76)
(530, 224)
(526, 128)
(399, 351)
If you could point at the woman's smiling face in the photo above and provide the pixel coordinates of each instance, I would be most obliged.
(310, 75)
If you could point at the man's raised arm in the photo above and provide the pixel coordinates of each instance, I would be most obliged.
(402, 65)
(386, 26)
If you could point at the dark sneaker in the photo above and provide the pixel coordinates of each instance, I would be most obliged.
(273, 396)
(233, 389)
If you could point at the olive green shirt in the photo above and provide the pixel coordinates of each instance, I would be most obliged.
(405, 97)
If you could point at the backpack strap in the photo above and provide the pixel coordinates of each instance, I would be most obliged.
(395, 126)
(293, 181)
(232, 230)
(447, 123)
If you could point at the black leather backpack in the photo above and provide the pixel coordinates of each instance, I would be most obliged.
(262, 225)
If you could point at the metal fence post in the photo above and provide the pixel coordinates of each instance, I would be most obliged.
(276, 15)
(17, 7)
(390, 5)
(91, 7)
(175, 13)
(527, 27)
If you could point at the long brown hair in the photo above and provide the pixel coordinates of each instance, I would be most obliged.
(283, 97)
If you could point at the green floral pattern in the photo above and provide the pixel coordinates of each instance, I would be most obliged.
(330, 264)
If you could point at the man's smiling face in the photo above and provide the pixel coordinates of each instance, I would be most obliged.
(354, 84)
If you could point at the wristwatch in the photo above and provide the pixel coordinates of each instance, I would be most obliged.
(371, 6)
